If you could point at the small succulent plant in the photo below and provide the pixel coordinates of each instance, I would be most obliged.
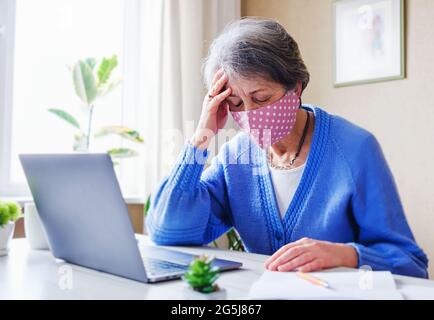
(201, 275)
(9, 211)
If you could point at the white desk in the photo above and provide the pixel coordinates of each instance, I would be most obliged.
(33, 274)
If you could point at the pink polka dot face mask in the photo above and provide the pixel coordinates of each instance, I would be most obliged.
(269, 124)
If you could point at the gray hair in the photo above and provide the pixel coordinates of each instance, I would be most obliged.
(256, 47)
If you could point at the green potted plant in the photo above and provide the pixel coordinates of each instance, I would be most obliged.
(9, 213)
(201, 277)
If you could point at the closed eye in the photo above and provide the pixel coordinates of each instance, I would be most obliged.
(262, 100)
(233, 105)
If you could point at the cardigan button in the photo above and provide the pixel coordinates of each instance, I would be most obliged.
(278, 235)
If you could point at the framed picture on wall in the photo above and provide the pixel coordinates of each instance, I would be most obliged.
(369, 41)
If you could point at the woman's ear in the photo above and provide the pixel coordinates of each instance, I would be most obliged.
(299, 88)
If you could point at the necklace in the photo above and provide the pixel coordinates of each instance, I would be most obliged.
(300, 145)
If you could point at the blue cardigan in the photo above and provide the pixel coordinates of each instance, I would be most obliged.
(347, 194)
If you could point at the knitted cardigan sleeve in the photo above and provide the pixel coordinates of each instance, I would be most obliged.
(385, 241)
(190, 207)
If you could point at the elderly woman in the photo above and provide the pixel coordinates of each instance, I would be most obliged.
(309, 188)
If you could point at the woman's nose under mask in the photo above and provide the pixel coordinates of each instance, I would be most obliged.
(269, 124)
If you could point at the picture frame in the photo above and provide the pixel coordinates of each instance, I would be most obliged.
(369, 42)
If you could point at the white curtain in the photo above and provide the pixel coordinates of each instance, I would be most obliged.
(174, 38)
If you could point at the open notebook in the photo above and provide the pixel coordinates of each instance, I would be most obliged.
(352, 284)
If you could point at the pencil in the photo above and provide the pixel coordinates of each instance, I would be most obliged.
(313, 279)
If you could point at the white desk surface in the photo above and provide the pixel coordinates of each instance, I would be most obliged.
(35, 274)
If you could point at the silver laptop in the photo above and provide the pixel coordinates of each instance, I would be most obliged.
(87, 223)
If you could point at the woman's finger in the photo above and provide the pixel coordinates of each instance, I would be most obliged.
(287, 256)
(218, 86)
(278, 253)
(297, 262)
(312, 266)
(217, 75)
(281, 251)
(218, 99)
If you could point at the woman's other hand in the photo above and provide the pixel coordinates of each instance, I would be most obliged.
(307, 255)
(215, 111)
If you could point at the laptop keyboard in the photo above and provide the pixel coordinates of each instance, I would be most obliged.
(161, 267)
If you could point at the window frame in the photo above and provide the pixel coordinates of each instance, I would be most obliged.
(7, 41)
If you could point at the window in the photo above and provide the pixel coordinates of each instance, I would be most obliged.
(45, 38)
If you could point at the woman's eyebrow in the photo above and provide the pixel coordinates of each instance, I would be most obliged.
(257, 90)
(253, 92)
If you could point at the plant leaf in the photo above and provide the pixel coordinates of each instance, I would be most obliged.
(9, 211)
(14, 211)
(105, 89)
(234, 241)
(122, 131)
(84, 82)
(147, 205)
(122, 153)
(201, 275)
(91, 62)
(80, 142)
(4, 214)
(66, 117)
(105, 69)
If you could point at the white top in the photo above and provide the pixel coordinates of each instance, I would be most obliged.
(285, 183)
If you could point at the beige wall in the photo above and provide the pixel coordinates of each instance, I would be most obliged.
(400, 113)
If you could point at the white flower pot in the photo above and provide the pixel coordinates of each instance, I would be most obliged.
(35, 232)
(6, 234)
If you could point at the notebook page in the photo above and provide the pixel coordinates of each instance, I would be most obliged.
(343, 285)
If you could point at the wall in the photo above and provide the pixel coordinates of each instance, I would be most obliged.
(400, 113)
